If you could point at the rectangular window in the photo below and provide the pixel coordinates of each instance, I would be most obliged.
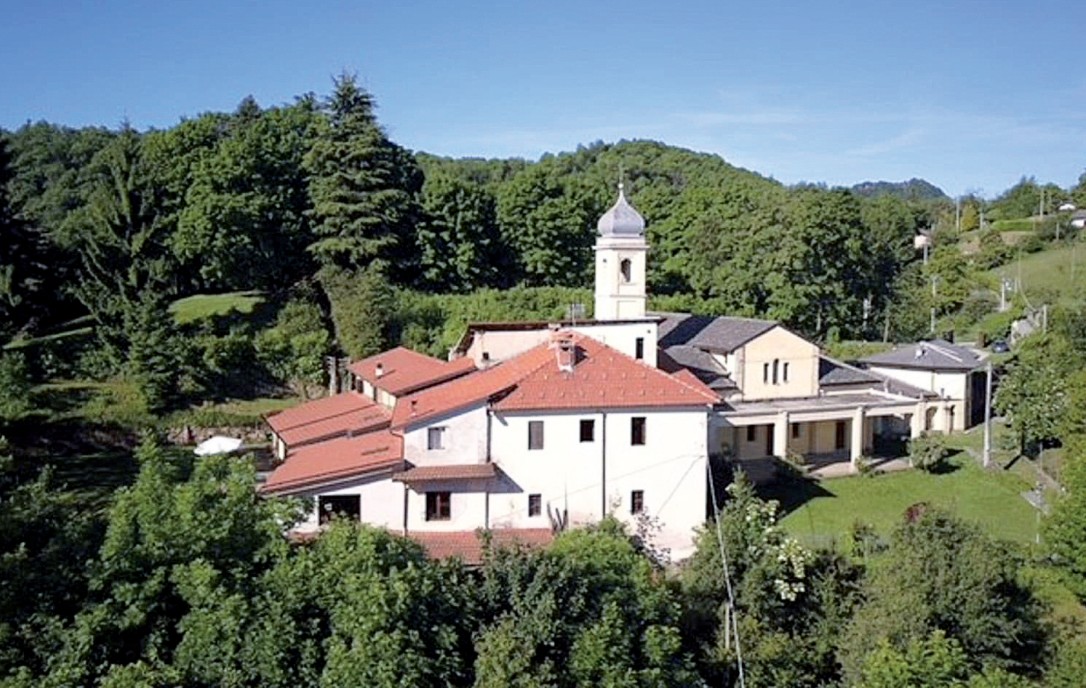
(752, 433)
(795, 430)
(535, 505)
(438, 506)
(637, 430)
(435, 438)
(588, 430)
(535, 434)
(347, 507)
(765, 373)
(637, 501)
(639, 348)
(785, 374)
(839, 435)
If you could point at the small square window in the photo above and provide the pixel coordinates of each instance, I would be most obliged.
(535, 434)
(588, 430)
(752, 433)
(637, 430)
(535, 504)
(637, 501)
(435, 438)
(438, 506)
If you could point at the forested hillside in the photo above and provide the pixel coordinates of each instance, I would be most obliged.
(201, 275)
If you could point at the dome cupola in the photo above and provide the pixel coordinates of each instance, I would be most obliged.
(622, 220)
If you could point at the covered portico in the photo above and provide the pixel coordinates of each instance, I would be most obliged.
(835, 427)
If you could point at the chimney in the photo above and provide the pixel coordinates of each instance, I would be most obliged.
(379, 370)
(414, 406)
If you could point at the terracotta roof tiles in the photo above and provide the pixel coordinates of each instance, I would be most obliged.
(404, 371)
(468, 545)
(337, 459)
(468, 471)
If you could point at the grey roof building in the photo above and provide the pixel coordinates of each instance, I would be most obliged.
(721, 334)
(935, 354)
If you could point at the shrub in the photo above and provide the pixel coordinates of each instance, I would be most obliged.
(927, 452)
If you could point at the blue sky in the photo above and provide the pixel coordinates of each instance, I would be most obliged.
(969, 95)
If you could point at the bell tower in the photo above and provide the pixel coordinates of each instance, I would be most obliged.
(621, 253)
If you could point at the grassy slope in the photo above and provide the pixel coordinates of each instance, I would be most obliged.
(990, 499)
(203, 306)
(1049, 273)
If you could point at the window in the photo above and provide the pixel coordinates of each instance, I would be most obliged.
(340, 506)
(637, 501)
(839, 435)
(588, 430)
(639, 348)
(438, 506)
(624, 267)
(435, 438)
(535, 505)
(637, 430)
(785, 373)
(535, 434)
(752, 433)
(776, 367)
(765, 373)
(795, 430)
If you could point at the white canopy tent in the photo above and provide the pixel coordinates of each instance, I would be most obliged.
(218, 444)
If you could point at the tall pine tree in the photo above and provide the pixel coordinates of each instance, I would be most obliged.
(364, 188)
(20, 256)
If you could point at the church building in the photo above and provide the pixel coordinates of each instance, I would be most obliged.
(533, 427)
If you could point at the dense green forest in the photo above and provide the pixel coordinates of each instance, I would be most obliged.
(124, 562)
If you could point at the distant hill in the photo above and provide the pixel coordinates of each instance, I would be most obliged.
(912, 190)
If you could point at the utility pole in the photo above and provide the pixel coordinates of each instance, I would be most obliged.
(987, 456)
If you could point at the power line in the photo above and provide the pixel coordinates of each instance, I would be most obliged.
(727, 579)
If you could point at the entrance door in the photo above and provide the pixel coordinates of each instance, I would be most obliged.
(769, 440)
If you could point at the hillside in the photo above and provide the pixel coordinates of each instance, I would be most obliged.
(912, 190)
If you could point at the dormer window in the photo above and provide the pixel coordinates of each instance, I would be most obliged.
(625, 267)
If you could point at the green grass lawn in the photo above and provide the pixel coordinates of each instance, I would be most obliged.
(823, 513)
(1049, 273)
(202, 306)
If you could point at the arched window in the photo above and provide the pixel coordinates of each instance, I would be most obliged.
(776, 369)
(625, 267)
(784, 376)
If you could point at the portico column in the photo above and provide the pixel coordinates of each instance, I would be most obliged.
(780, 435)
(948, 417)
(916, 427)
(856, 450)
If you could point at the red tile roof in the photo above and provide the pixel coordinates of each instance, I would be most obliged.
(468, 545)
(601, 377)
(405, 371)
(691, 380)
(337, 459)
(464, 471)
(469, 390)
(351, 410)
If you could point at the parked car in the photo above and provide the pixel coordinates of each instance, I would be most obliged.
(1000, 347)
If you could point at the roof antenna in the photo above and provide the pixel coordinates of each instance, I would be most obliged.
(621, 177)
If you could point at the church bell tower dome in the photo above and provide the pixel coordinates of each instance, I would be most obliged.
(621, 255)
(622, 220)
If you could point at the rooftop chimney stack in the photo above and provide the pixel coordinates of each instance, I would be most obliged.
(379, 370)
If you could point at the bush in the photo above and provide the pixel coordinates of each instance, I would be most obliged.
(928, 452)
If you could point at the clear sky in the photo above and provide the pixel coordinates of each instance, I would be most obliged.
(968, 95)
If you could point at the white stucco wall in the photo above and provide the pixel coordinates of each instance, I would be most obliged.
(381, 501)
(467, 509)
(502, 345)
(464, 441)
(950, 385)
(571, 475)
